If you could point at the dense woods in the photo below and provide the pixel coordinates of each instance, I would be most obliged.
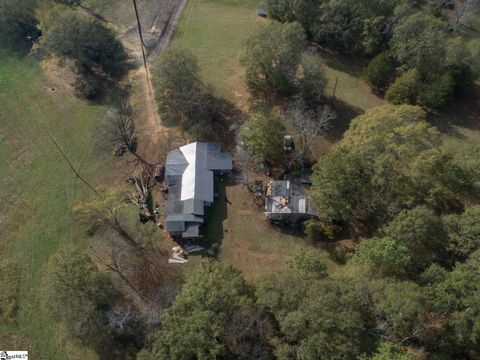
(398, 37)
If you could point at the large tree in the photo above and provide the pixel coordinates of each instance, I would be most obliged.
(98, 54)
(388, 160)
(78, 294)
(214, 317)
(263, 137)
(318, 319)
(422, 232)
(272, 54)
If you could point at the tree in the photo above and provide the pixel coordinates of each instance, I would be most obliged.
(178, 85)
(465, 11)
(405, 89)
(311, 124)
(403, 306)
(422, 232)
(280, 10)
(455, 296)
(419, 41)
(203, 320)
(263, 137)
(99, 56)
(391, 351)
(120, 129)
(18, 24)
(380, 72)
(77, 293)
(385, 255)
(271, 56)
(463, 232)
(308, 265)
(365, 180)
(312, 82)
(319, 319)
(437, 93)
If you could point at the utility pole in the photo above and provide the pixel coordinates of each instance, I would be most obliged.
(142, 43)
(334, 88)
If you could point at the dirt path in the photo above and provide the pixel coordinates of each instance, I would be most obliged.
(157, 139)
(167, 33)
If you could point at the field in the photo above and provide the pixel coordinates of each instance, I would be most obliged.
(38, 188)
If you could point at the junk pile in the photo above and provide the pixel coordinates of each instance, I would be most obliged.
(179, 255)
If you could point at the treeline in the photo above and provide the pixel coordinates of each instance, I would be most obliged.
(419, 56)
(57, 28)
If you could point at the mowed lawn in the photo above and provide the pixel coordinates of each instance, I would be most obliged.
(38, 191)
(214, 31)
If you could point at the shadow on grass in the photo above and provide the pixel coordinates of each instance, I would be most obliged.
(346, 113)
(213, 231)
(463, 112)
(350, 64)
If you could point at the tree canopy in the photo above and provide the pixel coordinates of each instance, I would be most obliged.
(271, 56)
(263, 137)
(388, 160)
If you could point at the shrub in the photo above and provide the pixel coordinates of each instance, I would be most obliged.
(438, 93)
(380, 72)
(313, 81)
(405, 88)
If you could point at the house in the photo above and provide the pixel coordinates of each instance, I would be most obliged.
(286, 201)
(189, 177)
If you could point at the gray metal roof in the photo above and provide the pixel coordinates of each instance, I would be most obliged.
(189, 176)
(192, 230)
(193, 206)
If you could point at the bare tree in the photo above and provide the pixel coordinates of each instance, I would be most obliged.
(116, 257)
(120, 130)
(143, 185)
(311, 124)
(465, 11)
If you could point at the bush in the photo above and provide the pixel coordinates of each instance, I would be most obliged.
(438, 93)
(386, 255)
(379, 72)
(405, 88)
(313, 81)
(308, 265)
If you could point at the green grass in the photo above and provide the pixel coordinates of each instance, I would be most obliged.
(244, 238)
(38, 189)
(214, 31)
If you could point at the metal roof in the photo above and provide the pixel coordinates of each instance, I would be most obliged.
(189, 176)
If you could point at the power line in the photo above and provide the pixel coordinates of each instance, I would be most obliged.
(142, 43)
(71, 166)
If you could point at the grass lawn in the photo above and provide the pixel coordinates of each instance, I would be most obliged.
(38, 190)
(244, 238)
(214, 31)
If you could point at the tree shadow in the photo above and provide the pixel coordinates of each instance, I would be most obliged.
(348, 63)
(346, 113)
(463, 112)
(213, 231)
